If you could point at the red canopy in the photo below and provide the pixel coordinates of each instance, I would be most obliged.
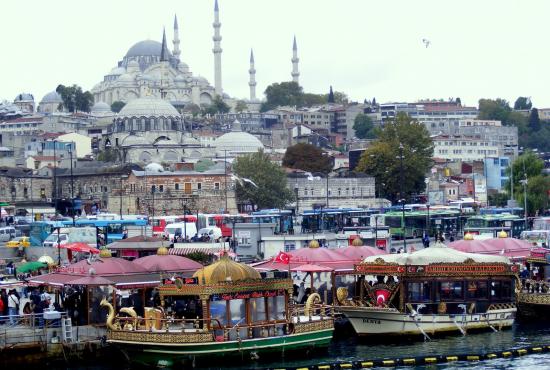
(107, 266)
(359, 253)
(168, 263)
(319, 256)
(80, 247)
(311, 268)
(509, 247)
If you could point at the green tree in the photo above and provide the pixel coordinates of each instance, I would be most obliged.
(271, 189)
(498, 199)
(537, 194)
(309, 99)
(241, 106)
(307, 157)
(107, 155)
(284, 93)
(523, 103)
(219, 105)
(382, 159)
(74, 99)
(364, 127)
(526, 165)
(117, 106)
(534, 121)
(498, 109)
(192, 108)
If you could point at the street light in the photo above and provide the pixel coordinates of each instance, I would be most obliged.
(524, 183)
(72, 182)
(402, 200)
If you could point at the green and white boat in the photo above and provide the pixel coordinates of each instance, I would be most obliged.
(229, 309)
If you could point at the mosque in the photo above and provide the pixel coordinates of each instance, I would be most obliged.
(150, 68)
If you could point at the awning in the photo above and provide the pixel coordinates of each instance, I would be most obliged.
(182, 251)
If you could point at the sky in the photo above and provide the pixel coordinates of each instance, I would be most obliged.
(365, 48)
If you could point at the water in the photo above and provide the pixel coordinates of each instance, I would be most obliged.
(352, 348)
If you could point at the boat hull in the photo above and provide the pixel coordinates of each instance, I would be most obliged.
(166, 354)
(533, 306)
(372, 321)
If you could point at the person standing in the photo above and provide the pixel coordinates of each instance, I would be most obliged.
(13, 305)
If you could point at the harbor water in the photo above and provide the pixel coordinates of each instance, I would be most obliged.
(351, 348)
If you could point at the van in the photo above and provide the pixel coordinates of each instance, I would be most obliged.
(54, 239)
(185, 230)
(213, 233)
(7, 233)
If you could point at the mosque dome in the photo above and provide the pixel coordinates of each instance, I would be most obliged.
(51, 97)
(179, 78)
(146, 48)
(101, 107)
(126, 78)
(134, 140)
(225, 270)
(117, 71)
(24, 97)
(238, 141)
(145, 77)
(148, 107)
(154, 167)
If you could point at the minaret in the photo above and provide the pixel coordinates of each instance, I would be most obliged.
(163, 56)
(295, 73)
(217, 50)
(252, 73)
(176, 41)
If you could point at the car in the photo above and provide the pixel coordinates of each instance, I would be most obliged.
(213, 233)
(20, 241)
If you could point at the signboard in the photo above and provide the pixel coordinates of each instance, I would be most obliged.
(465, 269)
(243, 233)
(180, 281)
(245, 295)
(381, 243)
(373, 269)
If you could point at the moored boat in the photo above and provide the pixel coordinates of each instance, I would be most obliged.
(228, 309)
(431, 291)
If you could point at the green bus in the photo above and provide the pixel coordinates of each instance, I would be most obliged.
(492, 224)
(416, 223)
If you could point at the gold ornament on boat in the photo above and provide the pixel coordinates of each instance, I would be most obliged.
(313, 299)
(225, 270)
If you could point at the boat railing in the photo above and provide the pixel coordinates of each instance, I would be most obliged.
(535, 286)
(303, 312)
(168, 324)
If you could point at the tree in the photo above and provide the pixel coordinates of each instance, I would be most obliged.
(534, 121)
(330, 98)
(458, 102)
(74, 99)
(523, 103)
(307, 157)
(108, 155)
(241, 106)
(271, 190)
(117, 106)
(526, 165)
(494, 109)
(537, 194)
(498, 199)
(364, 127)
(219, 105)
(284, 93)
(382, 159)
(192, 108)
(309, 99)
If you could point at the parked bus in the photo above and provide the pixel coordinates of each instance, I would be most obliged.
(283, 219)
(335, 219)
(540, 238)
(541, 223)
(492, 224)
(415, 223)
(109, 231)
(160, 222)
(518, 211)
(223, 221)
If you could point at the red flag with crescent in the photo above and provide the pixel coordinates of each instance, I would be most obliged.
(283, 258)
(382, 296)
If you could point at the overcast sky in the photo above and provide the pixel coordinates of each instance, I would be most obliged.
(364, 48)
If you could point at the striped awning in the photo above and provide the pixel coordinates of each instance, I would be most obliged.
(182, 251)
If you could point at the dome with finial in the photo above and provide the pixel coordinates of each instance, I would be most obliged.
(502, 234)
(238, 141)
(357, 242)
(225, 270)
(162, 251)
(468, 236)
(47, 260)
(313, 244)
(105, 253)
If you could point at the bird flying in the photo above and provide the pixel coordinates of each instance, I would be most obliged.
(242, 180)
(426, 42)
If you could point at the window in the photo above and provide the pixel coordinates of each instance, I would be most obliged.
(153, 189)
(450, 290)
(161, 188)
(476, 289)
(199, 186)
(176, 186)
(216, 186)
(419, 292)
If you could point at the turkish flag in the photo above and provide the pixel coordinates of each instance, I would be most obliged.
(382, 296)
(283, 258)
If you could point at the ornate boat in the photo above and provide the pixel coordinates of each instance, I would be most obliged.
(431, 291)
(534, 296)
(227, 308)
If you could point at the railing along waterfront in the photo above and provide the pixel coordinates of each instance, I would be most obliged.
(27, 329)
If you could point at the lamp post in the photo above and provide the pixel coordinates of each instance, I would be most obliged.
(402, 200)
(72, 182)
(225, 178)
(327, 191)
(121, 194)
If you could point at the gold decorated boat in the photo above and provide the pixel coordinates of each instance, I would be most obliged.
(227, 308)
